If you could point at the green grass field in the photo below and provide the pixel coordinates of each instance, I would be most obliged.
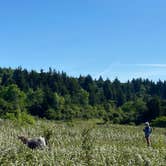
(82, 143)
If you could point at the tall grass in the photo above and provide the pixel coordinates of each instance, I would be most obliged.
(81, 144)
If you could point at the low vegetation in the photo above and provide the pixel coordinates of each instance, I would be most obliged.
(81, 143)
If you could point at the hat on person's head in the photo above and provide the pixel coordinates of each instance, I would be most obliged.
(147, 123)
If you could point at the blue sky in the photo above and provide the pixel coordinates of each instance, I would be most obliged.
(112, 38)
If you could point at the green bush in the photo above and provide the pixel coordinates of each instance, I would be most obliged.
(10, 116)
(20, 117)
(159, 122)
(26, 118)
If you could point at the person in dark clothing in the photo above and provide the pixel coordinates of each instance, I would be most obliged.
(147, 131)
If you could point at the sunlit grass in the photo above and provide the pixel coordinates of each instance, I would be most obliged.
(82, 143)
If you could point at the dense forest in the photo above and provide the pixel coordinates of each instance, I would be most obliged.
(55, 95)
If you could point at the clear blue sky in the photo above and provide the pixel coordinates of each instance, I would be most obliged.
(112, 38)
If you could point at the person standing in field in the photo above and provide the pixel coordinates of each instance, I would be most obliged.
(147, 130)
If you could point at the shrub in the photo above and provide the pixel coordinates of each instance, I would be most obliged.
(159, 122)
(20, 117)
(26, 118)
(10, 116)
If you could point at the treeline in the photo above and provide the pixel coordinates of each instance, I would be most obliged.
(55, 95)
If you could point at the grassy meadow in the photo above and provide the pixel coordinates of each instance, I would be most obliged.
(82, 143)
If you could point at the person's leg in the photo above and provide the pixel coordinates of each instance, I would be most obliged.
(148, 141)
